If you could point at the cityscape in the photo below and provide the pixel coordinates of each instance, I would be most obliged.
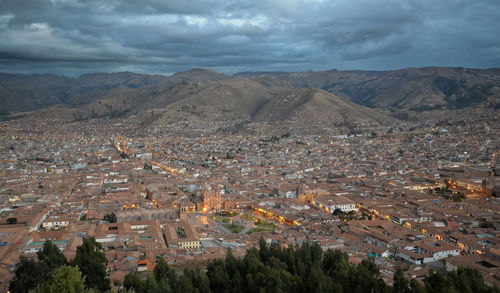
(268, 146)
(417, 195)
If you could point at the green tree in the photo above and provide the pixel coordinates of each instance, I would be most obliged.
(133, 282)
(401, 283)
(28, 275)
(111, 217)
(416, 287)
(336, 266)
(469, 280)
(234, 268)
(436, 282)
(185, 283)
(51, 255)
(161, 270)
(220, 281)
(268, 269)
(200, 281)
(122, 290)
(151, 285)
(366, 277)
(91, 261)
(316, 281)
(64, 279)
(163, 275)
(316, 253)
(264, 251)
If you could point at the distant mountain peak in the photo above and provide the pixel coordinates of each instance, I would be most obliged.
(266, 96)
(201, 74)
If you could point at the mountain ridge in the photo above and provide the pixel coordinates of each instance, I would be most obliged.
(331, 96)
(412, 88)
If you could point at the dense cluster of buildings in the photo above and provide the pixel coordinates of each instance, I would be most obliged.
(425, 196)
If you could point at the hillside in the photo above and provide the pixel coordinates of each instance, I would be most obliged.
(22, 93)
(245, 99)
(304, 98)
(29, 92)
(308, 105)
(412, 88)
(236, 101)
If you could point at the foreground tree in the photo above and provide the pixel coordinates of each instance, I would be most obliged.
(64, 279)
(29, 273)
(268, 269)
(134, 282)
(51, 256)
(91, 261)
(401, 283)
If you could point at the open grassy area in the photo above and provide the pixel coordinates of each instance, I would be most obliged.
(220, 219)
(265, 224)
(234, 228)
(257, 230)
(259, 222)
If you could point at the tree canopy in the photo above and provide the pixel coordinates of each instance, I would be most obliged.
(269, 268)
(64, 279)
(30, 273)
(306, 268)
(91, 261)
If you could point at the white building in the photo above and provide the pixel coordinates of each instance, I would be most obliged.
(331, 203)
(426, 252)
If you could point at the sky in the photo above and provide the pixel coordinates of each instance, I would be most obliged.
(73, 37)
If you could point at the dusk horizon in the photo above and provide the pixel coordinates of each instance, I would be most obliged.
(72, 38)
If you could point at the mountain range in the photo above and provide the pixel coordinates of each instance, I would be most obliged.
(412, 88)
(310, 97)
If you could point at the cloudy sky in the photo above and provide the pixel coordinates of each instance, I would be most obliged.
(72, 37)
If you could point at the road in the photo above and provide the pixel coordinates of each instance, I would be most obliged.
(248, 225)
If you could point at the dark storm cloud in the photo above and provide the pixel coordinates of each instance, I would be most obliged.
(158, 36)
